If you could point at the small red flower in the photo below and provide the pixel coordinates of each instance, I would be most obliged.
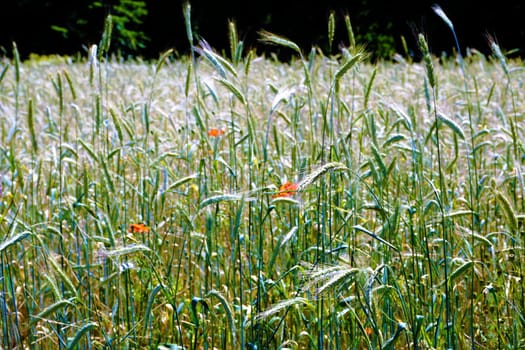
(287, 189)
(138, 228)
(214, 132)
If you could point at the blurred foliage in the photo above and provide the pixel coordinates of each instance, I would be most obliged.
(127, 17)
(145, 28)
(380, 43)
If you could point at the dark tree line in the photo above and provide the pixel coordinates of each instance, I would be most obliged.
(146, 28)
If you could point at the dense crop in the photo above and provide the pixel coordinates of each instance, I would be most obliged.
(216, 203)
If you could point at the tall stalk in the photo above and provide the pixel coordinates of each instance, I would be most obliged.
(441, 194)
(472, 166)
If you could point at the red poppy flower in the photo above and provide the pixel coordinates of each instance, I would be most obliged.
(287, 189)
(138, 228)
(215, 132)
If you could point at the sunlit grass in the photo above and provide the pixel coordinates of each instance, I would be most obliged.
(222, 203)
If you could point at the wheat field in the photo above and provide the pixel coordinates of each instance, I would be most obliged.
(231, 201)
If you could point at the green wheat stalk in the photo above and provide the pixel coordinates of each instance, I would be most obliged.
(442, 189)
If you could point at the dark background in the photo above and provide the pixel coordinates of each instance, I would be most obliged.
(69, 27)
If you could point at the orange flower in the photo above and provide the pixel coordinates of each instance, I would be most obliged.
(138, 228)
(287, 189)
(215, 132)
(369, 331)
